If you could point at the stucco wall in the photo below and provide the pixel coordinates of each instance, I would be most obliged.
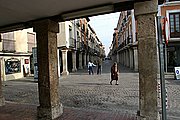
(61, 37)
(21, 41)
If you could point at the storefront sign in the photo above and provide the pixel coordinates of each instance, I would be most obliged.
(177, 72)
(12, 65)
(26, 61)
(34, 50)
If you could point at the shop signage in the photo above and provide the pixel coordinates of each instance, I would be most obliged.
(12, 65)
(177, 72)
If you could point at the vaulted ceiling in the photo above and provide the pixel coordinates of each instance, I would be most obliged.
(18, 13)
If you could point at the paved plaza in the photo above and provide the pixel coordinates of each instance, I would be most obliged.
(82, 92)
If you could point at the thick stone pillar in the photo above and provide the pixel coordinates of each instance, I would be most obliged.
(145, 13)
(2, 101)
(64, 60)
(80, 61)
(135, 59)
(74, 61)
(48, 82)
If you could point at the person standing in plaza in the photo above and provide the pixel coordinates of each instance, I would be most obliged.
(90, 67)
(114, 73)
(99, 67)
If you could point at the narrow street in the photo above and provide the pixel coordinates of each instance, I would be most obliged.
(82, 92)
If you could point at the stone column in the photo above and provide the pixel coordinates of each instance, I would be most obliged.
(48, 82)
(121, 57)
(127, 56)
(59, 73)
(80, 61)
(64, 61)
(124, 57)
(145, 13)
(2, 101)
(131, 58)
(84, 60)
(74, 61)
(117, 57)
(135, 59)
(126, 60)
(88, 57)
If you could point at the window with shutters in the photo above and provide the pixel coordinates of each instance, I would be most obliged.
(8, 42)
(174, 20)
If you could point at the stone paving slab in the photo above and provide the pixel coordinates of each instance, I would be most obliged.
(15, 111)
(82, 92)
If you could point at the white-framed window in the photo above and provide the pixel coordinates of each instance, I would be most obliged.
(174, 23)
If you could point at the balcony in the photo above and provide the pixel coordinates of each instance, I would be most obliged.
(72, 42)
(129, 40)
(80, 46)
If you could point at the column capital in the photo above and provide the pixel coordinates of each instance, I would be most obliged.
(46, 24)
(146, 7)
(64, 50)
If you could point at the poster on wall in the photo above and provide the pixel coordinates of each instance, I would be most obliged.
(12, 66)
(26, 67)
(34, 50)
(177, 72)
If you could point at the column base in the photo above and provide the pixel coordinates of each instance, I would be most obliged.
(74, 69)
(80, 67)
(139, 117)
(143, 118)
(2, 101)
(65, 73)
(49, 113)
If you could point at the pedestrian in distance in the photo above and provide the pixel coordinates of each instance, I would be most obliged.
(99, 67)
(90, 67)
(114, 73)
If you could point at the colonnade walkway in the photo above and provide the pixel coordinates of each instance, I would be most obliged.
(84, 96)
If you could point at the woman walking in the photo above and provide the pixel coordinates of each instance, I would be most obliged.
(114, 73)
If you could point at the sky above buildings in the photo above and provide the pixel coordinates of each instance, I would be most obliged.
(104, 27)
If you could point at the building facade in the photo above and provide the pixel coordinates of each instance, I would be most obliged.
(77, 44)
(76, 41)
(124, 44)
(170, 12)
(124, 48)
(16, 54)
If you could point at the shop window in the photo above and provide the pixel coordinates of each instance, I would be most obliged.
(12, 65)
(174, 25)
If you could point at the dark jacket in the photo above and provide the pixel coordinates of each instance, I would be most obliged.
(114, 75)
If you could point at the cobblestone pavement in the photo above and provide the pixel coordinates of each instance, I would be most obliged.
(93, 92)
